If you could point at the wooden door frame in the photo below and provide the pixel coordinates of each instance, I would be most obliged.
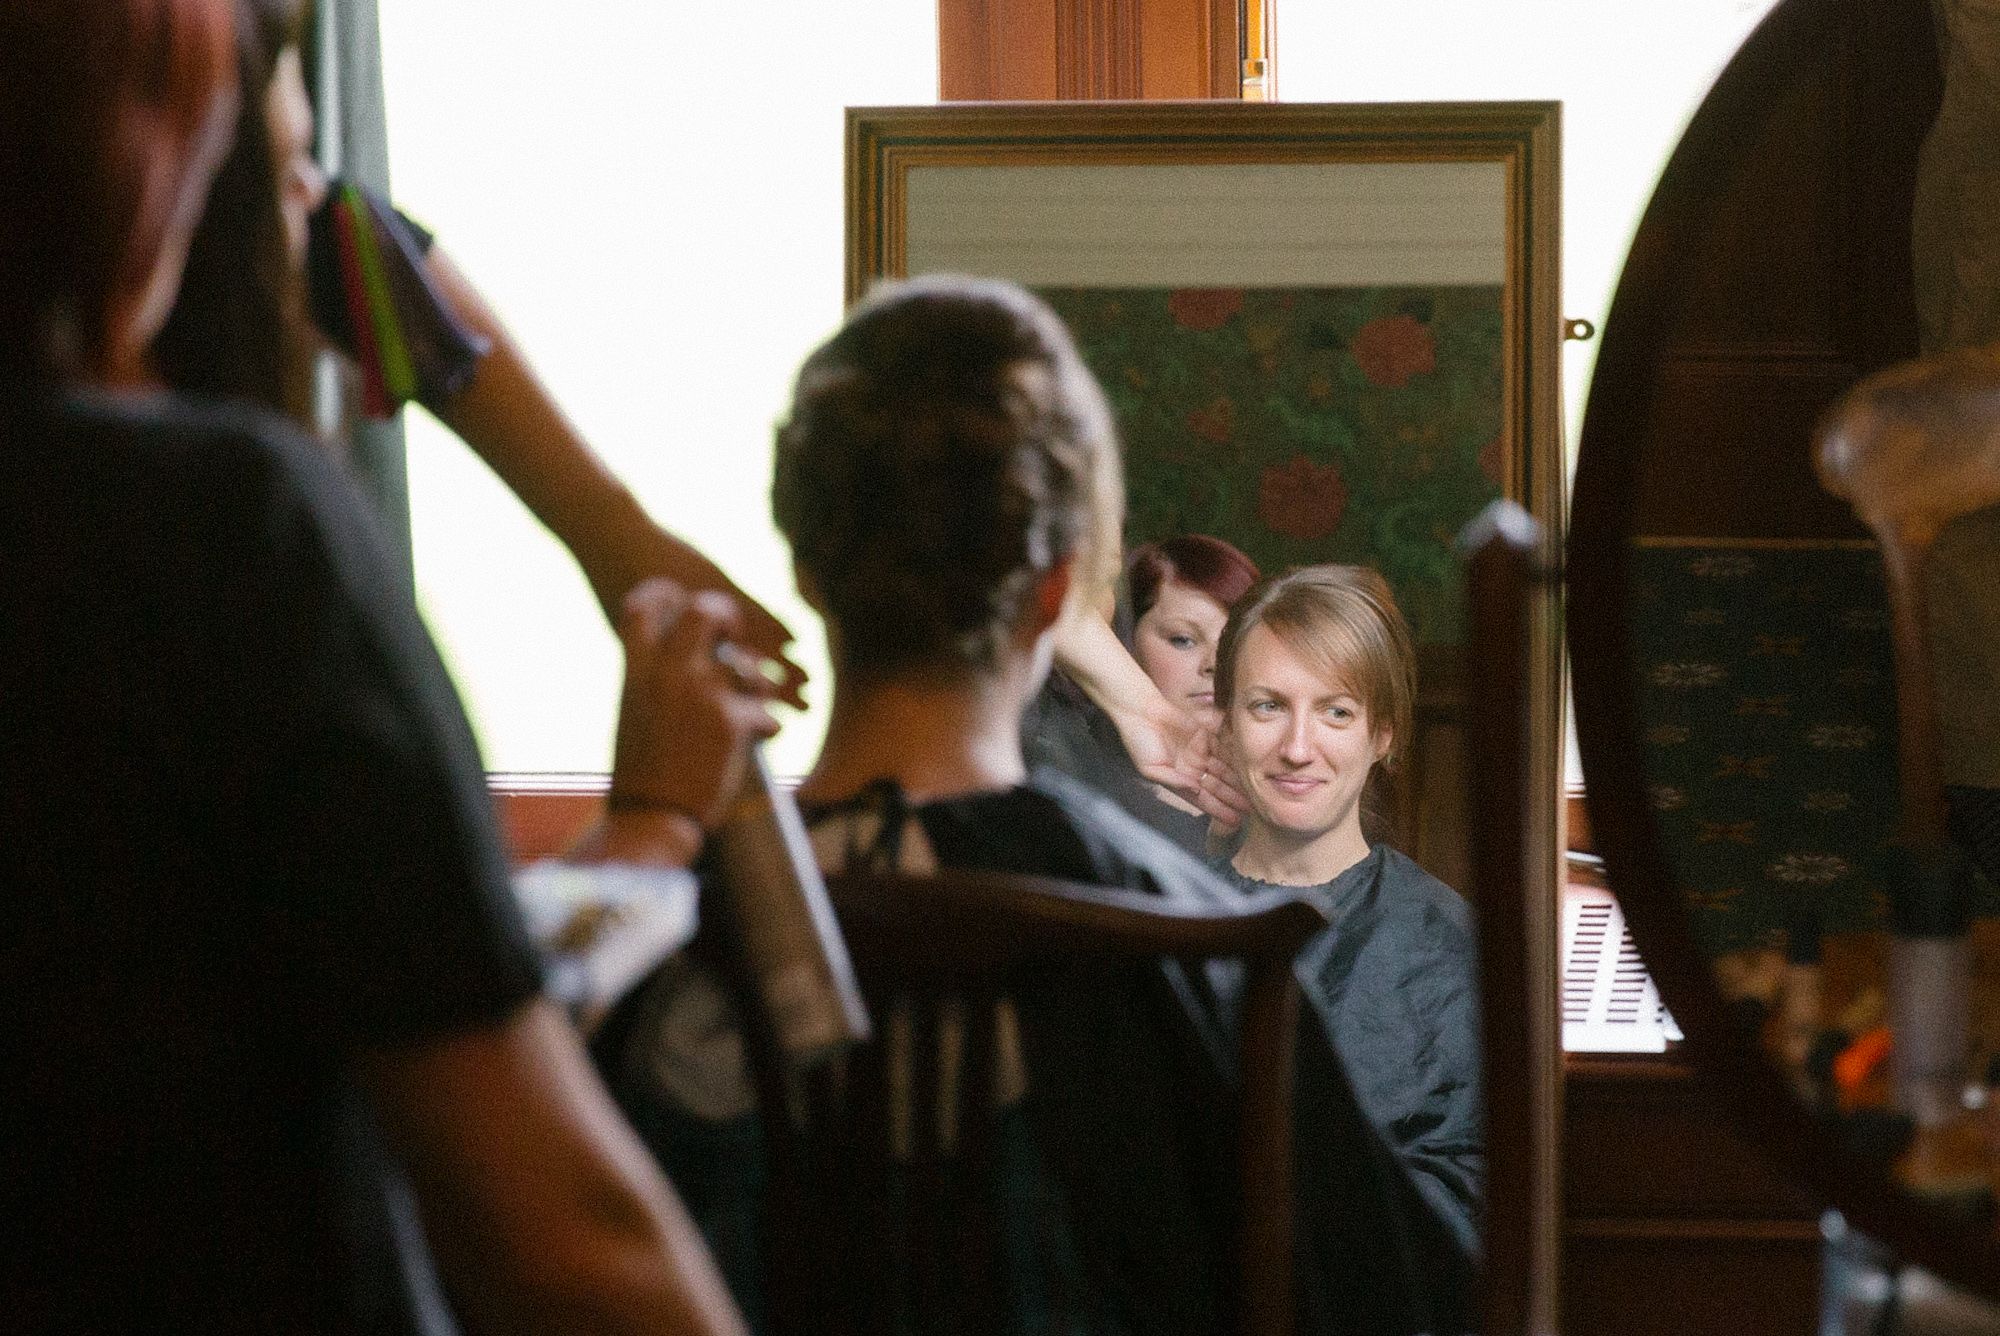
(1088, 50)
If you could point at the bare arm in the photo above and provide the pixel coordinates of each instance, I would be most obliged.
(544, 1211)
(1167, 745)
(1165, 742)
(509, 418)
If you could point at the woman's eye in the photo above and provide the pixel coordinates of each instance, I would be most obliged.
(1181, 640)
(1340, 714)
(1263, 708)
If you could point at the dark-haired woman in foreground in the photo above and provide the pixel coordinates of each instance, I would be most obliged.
(248, 326)
(273, 1015)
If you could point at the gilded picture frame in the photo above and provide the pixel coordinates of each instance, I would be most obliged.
(1330, 332)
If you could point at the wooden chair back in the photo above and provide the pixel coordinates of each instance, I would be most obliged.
(1508, 587)
(940, 950)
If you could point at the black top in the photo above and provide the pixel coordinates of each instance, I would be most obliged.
(1064, 731)
(246, 839)
(1129, 1094)
(1395, 986)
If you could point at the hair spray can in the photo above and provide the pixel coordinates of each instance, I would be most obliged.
(791, 939)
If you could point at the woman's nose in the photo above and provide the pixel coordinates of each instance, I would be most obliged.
(1298, 739)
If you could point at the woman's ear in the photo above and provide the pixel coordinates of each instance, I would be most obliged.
(1048, 600)
(1385, 744)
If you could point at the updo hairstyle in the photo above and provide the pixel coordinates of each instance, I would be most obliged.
(1344, 622)
(1207, 565)
(944, 449)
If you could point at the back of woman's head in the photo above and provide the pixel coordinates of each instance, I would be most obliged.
(1344, 623)
(237, 330)
(103, 108)
(943, 449)
(1207, 565)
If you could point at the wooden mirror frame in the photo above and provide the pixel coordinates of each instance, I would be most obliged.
(1722, 142)
(885, 144)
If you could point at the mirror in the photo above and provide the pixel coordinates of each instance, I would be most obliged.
(1731, 631)
(1328, 334)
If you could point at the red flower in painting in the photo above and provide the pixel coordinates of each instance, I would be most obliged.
(1392, 349)
(1204, 308)
(1301, 499)
(1215, 423)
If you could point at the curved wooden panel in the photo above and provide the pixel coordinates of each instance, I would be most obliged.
(1771, 270)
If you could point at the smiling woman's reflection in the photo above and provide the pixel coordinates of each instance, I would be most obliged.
(1316, 679)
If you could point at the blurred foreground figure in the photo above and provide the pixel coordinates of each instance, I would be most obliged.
(271, 1001)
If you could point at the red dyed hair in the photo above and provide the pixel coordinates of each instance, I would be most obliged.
(1194, 559)
(102, 106)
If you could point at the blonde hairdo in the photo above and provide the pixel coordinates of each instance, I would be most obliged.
(1344, 622)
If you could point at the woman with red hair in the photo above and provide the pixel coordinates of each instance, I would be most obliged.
(262, 957)
(1133, 718)
(1181, 590)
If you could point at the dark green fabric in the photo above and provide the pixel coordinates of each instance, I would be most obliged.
(1766, 693)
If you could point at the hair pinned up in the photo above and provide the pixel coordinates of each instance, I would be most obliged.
(942, 449)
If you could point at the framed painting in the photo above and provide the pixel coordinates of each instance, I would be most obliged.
(1329, 334)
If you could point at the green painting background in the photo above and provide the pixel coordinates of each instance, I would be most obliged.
(1307, 424)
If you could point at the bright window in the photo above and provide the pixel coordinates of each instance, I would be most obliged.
(651, 195)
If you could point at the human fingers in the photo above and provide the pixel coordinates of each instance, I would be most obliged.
(791, 684)
(751, 718)
(1220, 781)
(645, 612)
(708, 620)
(1224, 803)
(1167, 748)
(686, 720)
(770, 639)
(1221, 815)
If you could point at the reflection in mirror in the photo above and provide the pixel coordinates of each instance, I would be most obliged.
(1328, 337)
(1327, 334)
(1793, 670)
(1913, 450)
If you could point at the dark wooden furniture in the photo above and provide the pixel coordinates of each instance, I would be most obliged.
(1772, 269)
(1509, 591)
(1672, 1221)
(943, 949)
